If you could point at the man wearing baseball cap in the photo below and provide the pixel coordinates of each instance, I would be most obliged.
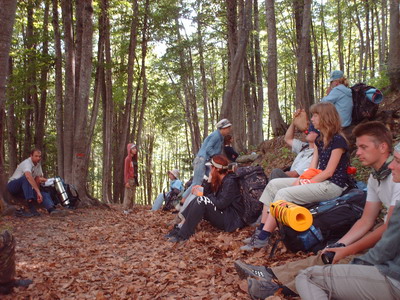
(211, 146)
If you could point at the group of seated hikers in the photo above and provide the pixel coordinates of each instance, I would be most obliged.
(375, 274)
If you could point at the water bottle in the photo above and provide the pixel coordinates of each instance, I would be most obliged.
(62, 193)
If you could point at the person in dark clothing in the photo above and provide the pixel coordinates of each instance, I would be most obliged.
(222, 206)
(230, 153)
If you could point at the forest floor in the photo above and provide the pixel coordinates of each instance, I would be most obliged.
(96, 253)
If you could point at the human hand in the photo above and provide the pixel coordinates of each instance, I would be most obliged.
(39, 196)
(197, 190)
(127, 185)
(338, 250)
(297, 112)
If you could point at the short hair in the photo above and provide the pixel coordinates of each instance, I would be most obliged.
(377, 130)
(35, 150)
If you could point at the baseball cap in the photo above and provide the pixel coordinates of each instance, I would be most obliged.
(224, 123)
(335, 75)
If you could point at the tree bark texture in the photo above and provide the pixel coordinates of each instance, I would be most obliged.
(394, 46)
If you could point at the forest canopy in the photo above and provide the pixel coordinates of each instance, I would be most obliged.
(81, 79)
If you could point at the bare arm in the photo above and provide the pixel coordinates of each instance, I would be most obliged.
(289, 135)
(293, 174)
(331, 167)
(314, 161)
(32, 182)
(359, 237)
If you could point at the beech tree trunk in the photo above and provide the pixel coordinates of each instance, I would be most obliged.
(7, 16)
(277, 122)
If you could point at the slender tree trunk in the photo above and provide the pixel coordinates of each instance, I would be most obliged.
(125, 121)
(69, 99)
(277, 123)
(39, 133)
(58, 91)
(394, 46)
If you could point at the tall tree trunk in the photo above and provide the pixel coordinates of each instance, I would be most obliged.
(81, 145)
(394, 46)
(39, 133)
(69, 99)
(232, 106)
(58, 91)
(202, 66)
(259, 106)
(123, 137)
(277, 122)
(7, 16)
(107, 105)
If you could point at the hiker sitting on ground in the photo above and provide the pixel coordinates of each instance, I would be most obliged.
(374, 275)
(211, 146)
(130, 177)
(330, 156)
(222, 204)
(303, 150)
(374, 144)
(339, 94)
(230, 153)
(176, 186)
(25, 182)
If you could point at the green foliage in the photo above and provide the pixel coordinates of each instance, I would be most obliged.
(380, 82)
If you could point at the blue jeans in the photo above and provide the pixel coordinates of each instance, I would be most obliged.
(158, 202)
(199, 170)
(22, 188)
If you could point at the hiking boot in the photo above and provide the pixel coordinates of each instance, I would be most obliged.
(176, 239)
(22, 282)
(261, 289)
(21, 213)
(34, 212)
(58, 213)
(245, 270)
(248, 240)
(255, 243)
(174, 231)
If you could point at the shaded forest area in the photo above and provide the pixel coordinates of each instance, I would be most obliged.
(81, 79)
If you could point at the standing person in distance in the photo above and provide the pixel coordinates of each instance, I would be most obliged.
(130, 177)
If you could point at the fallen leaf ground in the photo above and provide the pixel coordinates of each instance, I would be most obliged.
(99, 254)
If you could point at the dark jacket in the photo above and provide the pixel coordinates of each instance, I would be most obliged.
(229, 200)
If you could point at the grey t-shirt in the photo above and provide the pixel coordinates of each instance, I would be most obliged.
(27, 166)
(303, 158)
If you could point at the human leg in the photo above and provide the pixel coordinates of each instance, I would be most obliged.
(277, 173)
(199, 169)
(200, 208)
(308, 193)
(129, 195)
(158, 202)
(268, 195)
(21, 187)
(345, 282)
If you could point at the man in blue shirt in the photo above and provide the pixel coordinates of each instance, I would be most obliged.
(211, 146)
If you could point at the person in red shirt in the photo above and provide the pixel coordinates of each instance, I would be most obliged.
(130, 177)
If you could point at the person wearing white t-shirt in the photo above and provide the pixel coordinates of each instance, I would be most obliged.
(374, 146)
(26, 182)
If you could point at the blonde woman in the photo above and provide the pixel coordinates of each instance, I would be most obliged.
(330, 156)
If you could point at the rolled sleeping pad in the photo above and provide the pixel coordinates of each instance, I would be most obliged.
(296, 217)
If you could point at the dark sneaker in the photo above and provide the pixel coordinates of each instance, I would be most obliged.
(245, 270)
(21, 213)
(176, 239)
(261, 289)
(58, 213)
(173, 232)
(22, 282)
(248, 240)
(255, 243)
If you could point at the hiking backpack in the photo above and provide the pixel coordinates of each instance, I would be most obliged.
(171, 199)
(331, 220)
(252, 181)
(366, 100)
(73, 195)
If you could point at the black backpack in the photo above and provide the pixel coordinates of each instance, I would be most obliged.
(171, 199)
(73, 195)
(252, 181)
(331, 220)
(366, 100)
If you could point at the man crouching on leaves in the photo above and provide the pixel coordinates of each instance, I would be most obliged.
(374, 146)
(26, 182)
